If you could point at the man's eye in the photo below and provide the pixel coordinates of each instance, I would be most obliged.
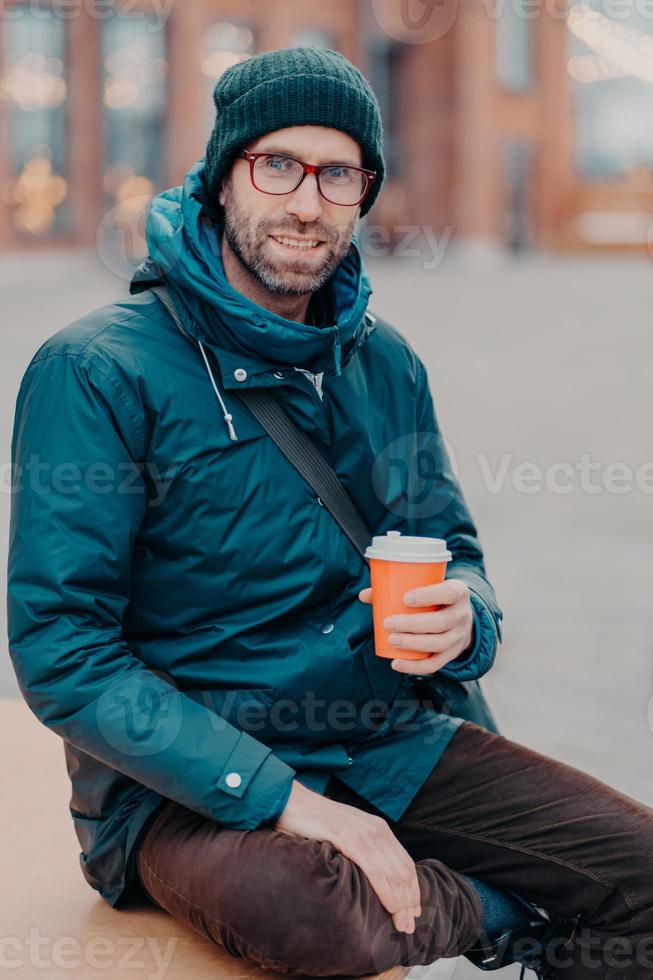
(340, 174)
(278, 163)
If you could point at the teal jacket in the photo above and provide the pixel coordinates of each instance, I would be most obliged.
(182, 609)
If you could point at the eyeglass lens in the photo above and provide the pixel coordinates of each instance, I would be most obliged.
(280, 175)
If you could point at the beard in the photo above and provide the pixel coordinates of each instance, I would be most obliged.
(250, 241)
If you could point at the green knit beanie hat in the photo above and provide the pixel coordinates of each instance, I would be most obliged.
(293, 87)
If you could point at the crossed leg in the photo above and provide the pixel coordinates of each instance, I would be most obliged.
(491, 808)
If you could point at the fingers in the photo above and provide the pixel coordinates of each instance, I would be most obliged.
(407, 918)
(422, 667)
(387, 865)
(429, 622)
(404, 922)
(401, 877)
(445, 593)
(427, 642)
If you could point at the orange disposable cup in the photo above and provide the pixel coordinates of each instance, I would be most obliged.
(399, 563)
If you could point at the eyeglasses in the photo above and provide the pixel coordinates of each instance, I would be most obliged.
(275, 173)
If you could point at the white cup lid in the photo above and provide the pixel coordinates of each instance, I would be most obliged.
(395, 546)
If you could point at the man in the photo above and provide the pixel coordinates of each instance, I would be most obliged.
(190, 619)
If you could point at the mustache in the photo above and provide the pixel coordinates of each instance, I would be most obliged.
(325, 234)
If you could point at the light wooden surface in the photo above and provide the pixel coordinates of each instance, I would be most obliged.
(53, 923)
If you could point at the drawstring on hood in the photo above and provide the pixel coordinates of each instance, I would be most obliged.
(228, 417)
(172, 310)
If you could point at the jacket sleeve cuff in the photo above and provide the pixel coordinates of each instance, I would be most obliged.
(254, 776)
(479, 657)
(280, 805)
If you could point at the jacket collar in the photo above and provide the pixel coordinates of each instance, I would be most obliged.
(183, 254)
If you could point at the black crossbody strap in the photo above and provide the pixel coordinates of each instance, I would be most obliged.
(298, 448)
(162, 293)
(470, 702)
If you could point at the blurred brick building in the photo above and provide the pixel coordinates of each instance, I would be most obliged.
(494, 110)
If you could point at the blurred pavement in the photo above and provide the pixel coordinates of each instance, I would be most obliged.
(532, 360)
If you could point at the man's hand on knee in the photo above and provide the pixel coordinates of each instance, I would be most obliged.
(367, 841)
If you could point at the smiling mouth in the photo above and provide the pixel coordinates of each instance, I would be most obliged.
(300, 244)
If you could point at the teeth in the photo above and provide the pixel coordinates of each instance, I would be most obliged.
(293, 243)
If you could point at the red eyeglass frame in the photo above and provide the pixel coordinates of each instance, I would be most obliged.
(309, 168)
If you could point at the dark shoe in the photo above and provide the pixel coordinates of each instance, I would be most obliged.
(536, 946)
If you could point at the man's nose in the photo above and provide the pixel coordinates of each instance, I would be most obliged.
(306, 201)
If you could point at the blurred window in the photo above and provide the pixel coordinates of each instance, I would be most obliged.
(611, 67)
(34, 90)
(386, 78)
(514, 45)
(134, 106)
(516, 163)
(223, 44)
(312, 38)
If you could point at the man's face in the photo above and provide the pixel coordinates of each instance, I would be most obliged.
(254, 221)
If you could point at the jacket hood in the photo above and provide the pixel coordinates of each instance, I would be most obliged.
(183, 251)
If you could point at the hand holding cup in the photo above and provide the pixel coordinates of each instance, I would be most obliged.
(421, 621)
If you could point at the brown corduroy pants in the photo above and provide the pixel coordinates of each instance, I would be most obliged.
(491, 808)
